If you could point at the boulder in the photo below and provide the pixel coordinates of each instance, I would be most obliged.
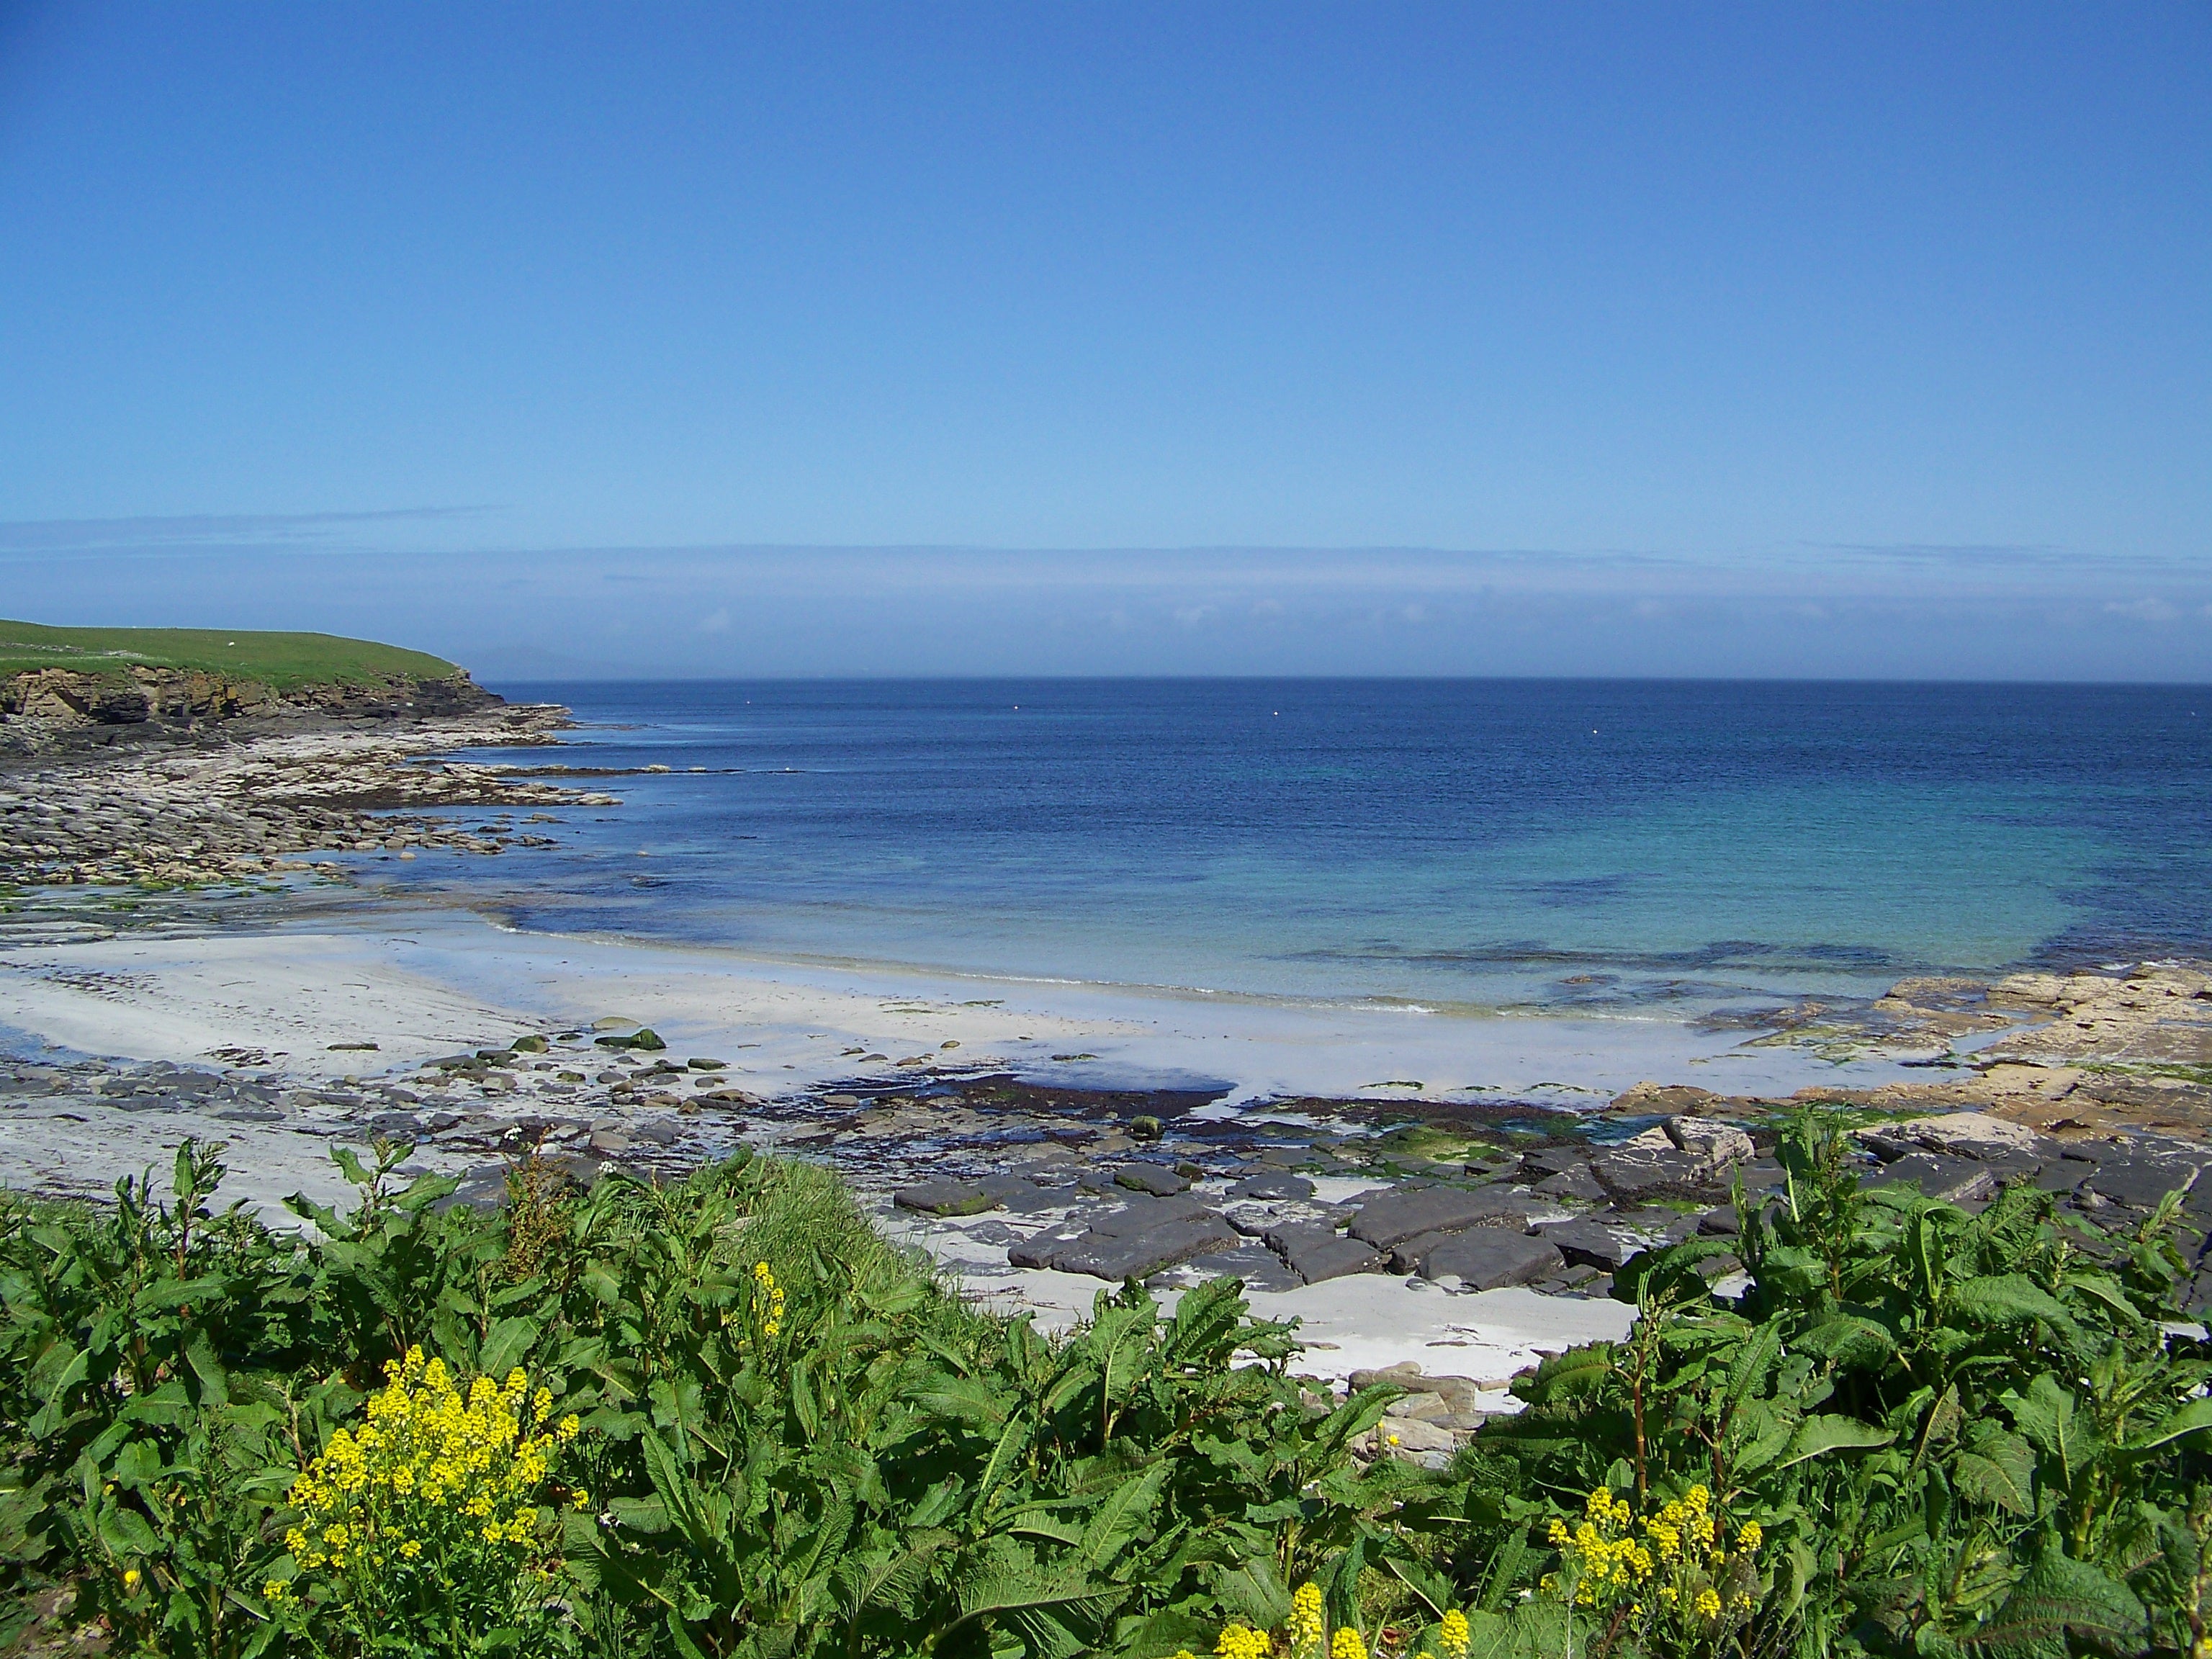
(1491, 1258)
(1715, 1142)
(1406, 1374)
(1410, 1438)
(1651, 1097)
(1635, 1174)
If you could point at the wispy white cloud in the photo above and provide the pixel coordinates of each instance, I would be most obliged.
(2151, 610)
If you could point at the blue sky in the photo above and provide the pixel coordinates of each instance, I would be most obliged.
(1119, 338)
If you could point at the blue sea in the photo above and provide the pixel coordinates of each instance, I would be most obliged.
(1599, 847)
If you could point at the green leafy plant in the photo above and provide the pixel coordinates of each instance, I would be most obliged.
(1954, 1432)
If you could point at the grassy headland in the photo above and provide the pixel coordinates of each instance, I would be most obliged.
(282, 661)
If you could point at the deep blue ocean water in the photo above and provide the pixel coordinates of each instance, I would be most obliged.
(1607, 845)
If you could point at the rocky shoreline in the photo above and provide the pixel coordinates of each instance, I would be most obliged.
(1029, 1191)
(177, 804)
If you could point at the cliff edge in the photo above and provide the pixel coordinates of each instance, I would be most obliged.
(64, 677)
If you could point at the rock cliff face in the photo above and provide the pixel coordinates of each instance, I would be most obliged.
(63, 696)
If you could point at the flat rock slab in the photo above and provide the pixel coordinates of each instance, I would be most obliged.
(1315, 1254)
(2141, 1184)
(1954, 1180)
(1139, 1255)
(1021, 1195)
(1278, 1188)
(1491, 1259)
(1585, 1244)
(1142, 1214)
(1259, 1269)
(1154, 1178)
(1576, 1182)
(1408, 1212)
(946, 1197)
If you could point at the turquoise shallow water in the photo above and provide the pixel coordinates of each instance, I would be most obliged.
(1621, 847)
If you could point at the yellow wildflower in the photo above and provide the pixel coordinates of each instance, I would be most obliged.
(1708, 1603)
(1750, 1537)
(1239, 1641)
(1304, 1629)
(1452, 1635)
(130, 1576)
(1348, 1644)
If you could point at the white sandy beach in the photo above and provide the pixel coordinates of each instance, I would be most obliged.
(424, 984)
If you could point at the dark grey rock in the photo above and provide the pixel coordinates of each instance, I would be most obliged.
(1576, 1182)
(1277, 1187)
(1490, 1258)
(946, 1197)
(1135, 1254)
(1259, 1269)
(1548, 1161)
(1642, 1174)
(1316, 1253)
(1954, 1180)
(1721, 1222)
(482, 1189)
(1408, 1212)
(1141, 1214)
(1153, 1178)
(2139, 1183)
(1406, 1256)
(1020, 1194)
(1585, 1244)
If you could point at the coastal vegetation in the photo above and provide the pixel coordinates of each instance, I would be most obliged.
(723, 1416)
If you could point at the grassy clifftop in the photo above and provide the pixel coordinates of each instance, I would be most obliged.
(280, 660)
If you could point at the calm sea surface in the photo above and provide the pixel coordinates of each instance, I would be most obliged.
(1608, 846)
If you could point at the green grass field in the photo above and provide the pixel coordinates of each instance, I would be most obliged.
(282, 660)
